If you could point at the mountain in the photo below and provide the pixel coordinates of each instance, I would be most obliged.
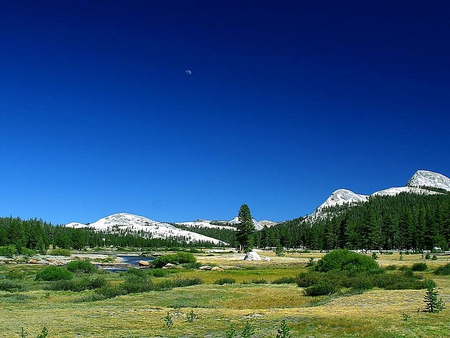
(422, 182)
(124, 223)
(425, 178)
(259, 225)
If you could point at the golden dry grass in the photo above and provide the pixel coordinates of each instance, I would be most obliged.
(377, 313)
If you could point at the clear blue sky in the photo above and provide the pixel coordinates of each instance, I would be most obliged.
(287, 102)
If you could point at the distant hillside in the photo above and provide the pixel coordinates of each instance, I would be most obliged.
(413, 217)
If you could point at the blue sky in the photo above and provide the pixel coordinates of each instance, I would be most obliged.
(287, 102)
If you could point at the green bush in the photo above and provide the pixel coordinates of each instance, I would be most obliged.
(27, 252)
(159, 272)
(81, 266)
(419, 267)
(177, 258)
(391, 267)
(135, 272)
(443, 270)
(78, 285)
(8, 250)
(321, 289)
(285, 280)
(223, 281)
(54, 273)
(407, 272)
(6, 285)
(136, 285)
(307, 279)
(60, 252)
(345, 260)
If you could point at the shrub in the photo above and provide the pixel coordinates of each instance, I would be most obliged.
(419, 267)
(345, 260)
(27, 252)
(285, 280)
(178, 258)
(135, 272)
(159, 272)
(407, 272)
(320, 289)
(432, 300)
(54, 273)
(259, 281)
(136, 285)
(307, 279)
(8, 250)
(60, 252)
(78, 285)
(223, 281)
(391, 267)
(10, 286)
(107, 292)
(443, 270)
(81, 266)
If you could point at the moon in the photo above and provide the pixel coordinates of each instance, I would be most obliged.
(189, 72)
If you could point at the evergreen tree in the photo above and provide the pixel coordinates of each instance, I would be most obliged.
(245, 229)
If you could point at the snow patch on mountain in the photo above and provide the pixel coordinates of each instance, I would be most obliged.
(399, 190)
(201, 223)
(418, 184)
(124, 222)
(259, 225)
(341, 197)
(426, 178)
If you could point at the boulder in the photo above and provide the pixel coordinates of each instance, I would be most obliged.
(205, 267)
(252, 256)
(144, 263)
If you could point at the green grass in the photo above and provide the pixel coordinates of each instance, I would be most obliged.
(373, 314)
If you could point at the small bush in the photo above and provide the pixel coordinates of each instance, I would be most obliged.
(135, 272)
(8, 250)
(178, 258)
(407, 272)
(345, 260)
(27, 252)
(81, 266)
(285, 280)
(321, 289)
(136, 285)
(78, 285)
(391, 267)
(54, 273)
(223, 281)
(307, 279)
(259, 281)
(159, 272)
(419, 267)
(443, 270)
(10, 286)
(60, 252)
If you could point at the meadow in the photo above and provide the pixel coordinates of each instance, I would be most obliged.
(249, 295)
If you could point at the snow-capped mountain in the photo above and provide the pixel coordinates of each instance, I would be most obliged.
(202, 223)
(124, 222)
(418, 184)
(259, 225)
(425, 178)
(216, 224)
(343, 196)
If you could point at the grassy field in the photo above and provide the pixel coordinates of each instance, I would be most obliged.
(209, 310)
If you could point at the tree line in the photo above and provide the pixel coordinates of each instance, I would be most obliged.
(405, 221)
(39, 236)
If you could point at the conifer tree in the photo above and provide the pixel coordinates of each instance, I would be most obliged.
(245, 229)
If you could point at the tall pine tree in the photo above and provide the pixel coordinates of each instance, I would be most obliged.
(245, 229)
